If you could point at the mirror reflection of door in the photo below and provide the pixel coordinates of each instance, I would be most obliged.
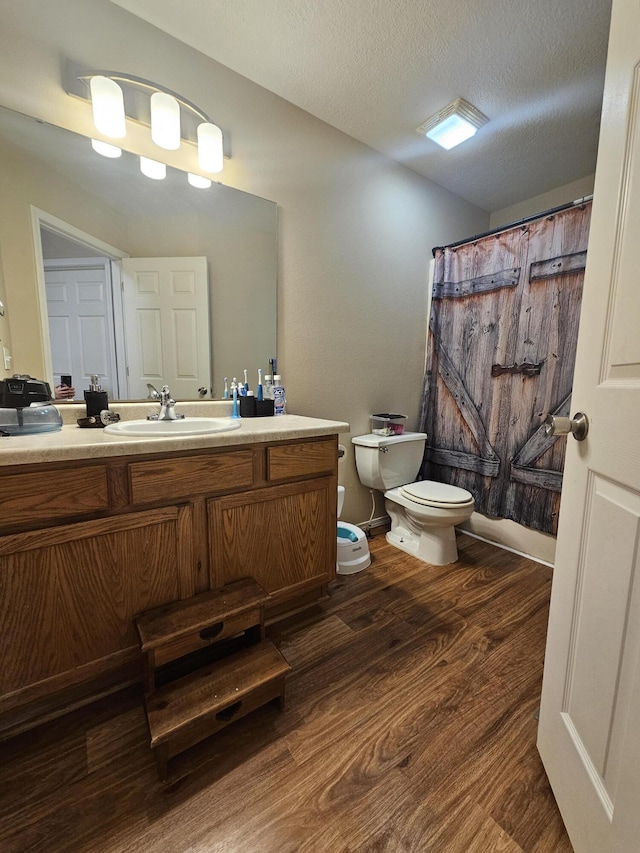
(130, 321)
(166, 320)
(81, 322)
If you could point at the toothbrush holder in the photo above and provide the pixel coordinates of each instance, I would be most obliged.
(247, 407)
(264, 408)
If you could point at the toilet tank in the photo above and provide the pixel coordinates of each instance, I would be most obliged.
(387, 461)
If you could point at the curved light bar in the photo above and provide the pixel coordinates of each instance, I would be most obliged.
(165, 121)
(105, 149)
(210, 153)
(165, 107)
(153, 169)
(198, 181)
(107, 101)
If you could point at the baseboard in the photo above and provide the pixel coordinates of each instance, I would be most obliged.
(383, 521)
(505, 547)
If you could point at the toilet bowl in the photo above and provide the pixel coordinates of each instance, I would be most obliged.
(353, 549)
(424, 527)
(423, 513)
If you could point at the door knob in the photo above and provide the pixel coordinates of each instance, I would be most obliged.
(578, 426)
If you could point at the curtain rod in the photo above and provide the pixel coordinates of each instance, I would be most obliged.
(523, 221)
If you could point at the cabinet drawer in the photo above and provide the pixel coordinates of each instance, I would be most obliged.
(53, 494)
(222, 630)
(306, 459)
(192, 476)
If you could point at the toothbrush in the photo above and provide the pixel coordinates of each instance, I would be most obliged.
(225, 394)
(246, 381)
(234, 392)
(259, 396)
(274, 369)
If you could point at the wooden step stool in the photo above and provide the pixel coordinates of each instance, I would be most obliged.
(191, 707)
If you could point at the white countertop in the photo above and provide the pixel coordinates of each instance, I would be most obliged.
(74, 442)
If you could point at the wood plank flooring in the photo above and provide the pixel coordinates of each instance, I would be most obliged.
(409, 728)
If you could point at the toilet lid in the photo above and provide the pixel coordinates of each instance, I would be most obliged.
(430, 493)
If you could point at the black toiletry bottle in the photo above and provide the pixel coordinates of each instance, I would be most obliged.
(95, 398)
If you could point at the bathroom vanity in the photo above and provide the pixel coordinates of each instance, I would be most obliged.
(94, 531)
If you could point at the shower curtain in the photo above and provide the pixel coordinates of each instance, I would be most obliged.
(500, 357)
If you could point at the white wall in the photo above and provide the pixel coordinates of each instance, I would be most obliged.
(545, 201)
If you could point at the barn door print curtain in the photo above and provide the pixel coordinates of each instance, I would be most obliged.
(500, 357)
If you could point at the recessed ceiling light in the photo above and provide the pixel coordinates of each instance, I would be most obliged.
(454, 123)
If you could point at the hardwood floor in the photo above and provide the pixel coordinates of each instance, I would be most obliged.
(409, 727)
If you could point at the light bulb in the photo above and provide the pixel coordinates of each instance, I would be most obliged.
(107, 101)
(210, 153)
(165, 121)
(153, 169)
(198, 181)
(105, 149)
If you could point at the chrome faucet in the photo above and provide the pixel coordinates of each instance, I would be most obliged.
(167, 405)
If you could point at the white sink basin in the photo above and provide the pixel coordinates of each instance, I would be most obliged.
(167, 429)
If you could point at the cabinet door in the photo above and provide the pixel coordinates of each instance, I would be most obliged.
(283, 536)
(68, 595)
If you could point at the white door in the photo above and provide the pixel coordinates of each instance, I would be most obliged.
(81, 326)
(589, 734)
(166, 319)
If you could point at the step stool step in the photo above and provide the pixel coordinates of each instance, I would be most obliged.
(187, 710)
(205, 613)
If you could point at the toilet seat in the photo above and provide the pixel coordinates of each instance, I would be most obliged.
(348, 531)
(439, 495)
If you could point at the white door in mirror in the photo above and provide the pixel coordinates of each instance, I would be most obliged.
(166, 324)
(171, 429)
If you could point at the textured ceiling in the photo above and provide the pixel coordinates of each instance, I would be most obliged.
(376, 69)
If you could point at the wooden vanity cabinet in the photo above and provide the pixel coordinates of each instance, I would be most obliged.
(277, 535)
(67, 597)
(135, 533)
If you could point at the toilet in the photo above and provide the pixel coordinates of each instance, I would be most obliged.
(423, 513)
(353, 548)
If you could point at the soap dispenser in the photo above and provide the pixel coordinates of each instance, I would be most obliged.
(95, 398)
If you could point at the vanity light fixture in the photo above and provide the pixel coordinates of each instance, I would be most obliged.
(210, 147)
(115, 95)
(107, 101)
(198, 181)
(105, 149)
(453, 124)
(165, 121)
(153, 169)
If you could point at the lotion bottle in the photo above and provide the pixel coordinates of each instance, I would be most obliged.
(267, 391)
(95, 398)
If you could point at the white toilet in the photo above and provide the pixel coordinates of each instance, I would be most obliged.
(353, 548)
(423, 514)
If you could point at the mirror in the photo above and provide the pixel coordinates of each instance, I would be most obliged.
(62, 202)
